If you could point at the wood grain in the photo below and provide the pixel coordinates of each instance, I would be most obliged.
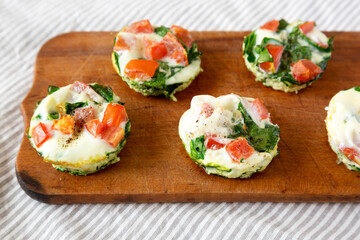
(154, 166)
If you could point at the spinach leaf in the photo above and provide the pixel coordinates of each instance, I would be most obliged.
(70, 107)
(116, 55)
(249, 43)
(282, 25)
(239, 131)
(197, 148)
(265, 56)
(193, 53)
(37, 105)
(52, 89)
(357, 89)
(105, 92)
(314, 44)
(53, 115)
(261, 139)
(323, 63)
(38, 116)
(162, 30)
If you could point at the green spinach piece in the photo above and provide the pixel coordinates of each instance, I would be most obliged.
(282, 25)
(52, 89)
(193, 53)
(249, 43)
(162, 30)
(265, 56)
(116, 56)
(261, 139)
(105, 92)
(70, 107)
(357, 89)
(197, 148)
(53, 116)
(239, 131)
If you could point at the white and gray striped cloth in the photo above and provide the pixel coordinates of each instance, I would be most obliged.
(26, 25)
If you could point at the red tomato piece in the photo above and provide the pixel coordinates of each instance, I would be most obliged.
(113, 135)
(142, 26)
(260, 109)
(307, 27)
(154, 50)
(305, 70)
(114, 115)
(213, 143)
(95, 127)
(141, 69)
(206, 110)
(175, 50)
(66, 124)
(239, 149)
(271, 25)
(39, 134)
(83, 115)
(276, 52)
(183, 34)
(351, 154)
(80, 87)
(121, 44)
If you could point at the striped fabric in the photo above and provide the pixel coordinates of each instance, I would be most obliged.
(26, 25)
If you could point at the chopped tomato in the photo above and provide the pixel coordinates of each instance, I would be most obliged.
(114, 115)
(113, 135)
(121, 44)
(39, 134)
(141, 69)
(183, 34)
(80, 87)
(305, 70)
(239, 149)
(307, 27)
(142, 26)
(206, 110)
(271, 25)
(260, 109)
(66, 124)
(83, 115)
(154, 50)
(351, 154)
(276, 52)
(213, 143)
(95, 127)
(175, 50)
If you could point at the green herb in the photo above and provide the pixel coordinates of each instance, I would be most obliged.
(70, 107)
(249, 43)
(239, 131)
(53, 116)
(162, 30)
(261, 139)
(282, 25)
(323, 63)
(267, 41)
(265, 56)
(105, 92)
(193, 53)
(121, 103)
(127, 129)
(37, 105)
(314, 44)
(116, 56)
(357, 89)
(52, 89)
(197, 147)
(38, 116)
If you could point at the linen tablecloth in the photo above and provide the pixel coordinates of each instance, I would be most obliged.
(26, 25)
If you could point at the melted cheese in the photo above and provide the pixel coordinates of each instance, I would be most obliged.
(58, 148)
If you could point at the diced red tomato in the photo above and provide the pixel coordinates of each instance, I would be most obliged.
(39, 134)
(83, 115)
(260, 109)
(66, 124)
(121, 44)
(141, 69)
(271, 25)
(175, 50)
(206, 110)
(142, 26)
(183, 34)
(305, 70)
(213, 143)
(239, 149)
(80, 87)
(351, 154)
(154, 50)
(114, 115)
(113, 135)
(276, 52)
(307, 27)
(95, 127)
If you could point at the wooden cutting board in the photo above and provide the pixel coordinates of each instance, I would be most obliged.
(154, 165)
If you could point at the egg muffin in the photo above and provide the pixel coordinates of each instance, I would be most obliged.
(287, 57)
(156, 60)
(230, 136)
(79, 128)
(343, 124)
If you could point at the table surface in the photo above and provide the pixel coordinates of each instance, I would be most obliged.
(26, 26)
